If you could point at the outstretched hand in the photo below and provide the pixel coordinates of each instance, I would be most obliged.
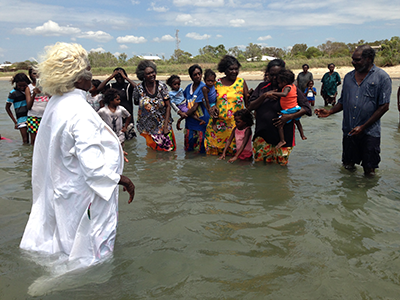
(321, 112)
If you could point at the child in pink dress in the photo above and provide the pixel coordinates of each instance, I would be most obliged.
(242, 134)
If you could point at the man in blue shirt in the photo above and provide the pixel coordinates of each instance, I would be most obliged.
(364, 100)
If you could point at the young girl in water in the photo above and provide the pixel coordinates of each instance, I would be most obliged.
(36, 105)
(242, 134)
(178, 101)
(288, 101)
(310, 92)
(94, 98)
(210, 96)
(18, 97)
(113, 113)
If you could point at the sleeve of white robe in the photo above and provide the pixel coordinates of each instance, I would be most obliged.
(98, 171)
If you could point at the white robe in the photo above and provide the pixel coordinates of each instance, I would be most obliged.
(77, 162)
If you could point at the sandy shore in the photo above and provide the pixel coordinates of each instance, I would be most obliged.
(394, 73)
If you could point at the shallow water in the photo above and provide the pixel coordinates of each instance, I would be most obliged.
(205, 229)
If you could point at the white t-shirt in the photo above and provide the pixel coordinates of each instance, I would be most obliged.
(39, 103)
(94, 101)
(114, 119)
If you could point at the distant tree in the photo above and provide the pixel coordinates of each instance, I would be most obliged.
(235, 51)
(133, 61)
(273, 51)
(7, 62)
(313, 52)
(23, 65)
(391, 52)
(218, 51)
(298, 50)
(181, 56)
(253, 51)
(334, 49)
(122, 59)
(99, 59)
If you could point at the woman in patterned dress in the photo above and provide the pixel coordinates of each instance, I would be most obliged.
(154, 121)
(232, 95)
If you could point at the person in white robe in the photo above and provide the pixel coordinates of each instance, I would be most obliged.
(77, 166)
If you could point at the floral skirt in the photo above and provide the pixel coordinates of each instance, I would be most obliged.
(268, 153)
(215, 140)
(160, 142)
(194, 141)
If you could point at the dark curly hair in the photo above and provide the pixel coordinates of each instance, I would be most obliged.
(275, 63)
(19, 78)
(110, 95)
(305, 65)
(286, 76)
(245, 115)
(226, 62)
(142, 66)
(367, 52)
(96, 82)
(122, 69)
(208, 73)
(171, 80)
(193, 68)
(331, 64)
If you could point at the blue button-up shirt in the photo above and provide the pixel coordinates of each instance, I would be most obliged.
(361, 101)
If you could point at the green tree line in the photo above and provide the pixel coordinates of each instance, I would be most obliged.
(388, 54)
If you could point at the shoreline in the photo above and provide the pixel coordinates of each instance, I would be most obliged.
(394, 73)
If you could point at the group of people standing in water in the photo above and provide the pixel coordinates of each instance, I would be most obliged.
(218, 113)
(78, 160)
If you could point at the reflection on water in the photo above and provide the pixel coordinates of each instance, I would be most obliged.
(200, 228)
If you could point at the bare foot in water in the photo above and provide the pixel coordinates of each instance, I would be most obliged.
(280, 144)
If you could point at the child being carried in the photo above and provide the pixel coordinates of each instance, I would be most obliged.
(178, 101)
(210, 96)
(288, 101)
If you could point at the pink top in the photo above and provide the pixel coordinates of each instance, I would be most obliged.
(239, 137)
(290, 100)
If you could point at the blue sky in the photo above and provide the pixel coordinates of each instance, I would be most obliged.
(139, 27)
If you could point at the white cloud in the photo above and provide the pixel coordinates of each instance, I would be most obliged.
(123, 46)
(98, 36)
(237, 22)
(218, 36)
(203, 3)
(196, 36)
(264, 38)
(2, 52)
(188, 19)
(183, 18)
(157, 8)
(116, 54)
(130, 39)
(134, 2)
(97, 50)
(164, 38)
(49, 28)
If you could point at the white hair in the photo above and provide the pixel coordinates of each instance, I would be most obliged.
(62, 66)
